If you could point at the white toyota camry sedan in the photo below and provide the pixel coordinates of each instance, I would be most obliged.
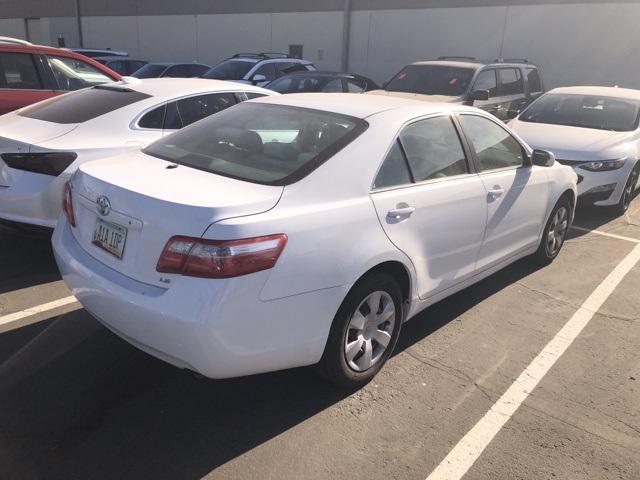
(594, 130)
(43, 144)
(304, 229)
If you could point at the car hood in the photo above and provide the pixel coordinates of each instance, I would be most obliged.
(574, 143)
(417, 96)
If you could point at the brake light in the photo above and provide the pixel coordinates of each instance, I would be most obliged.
(197, 257)
(67, 204)
(46, 163)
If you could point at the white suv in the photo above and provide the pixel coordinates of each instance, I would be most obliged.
(257, 68)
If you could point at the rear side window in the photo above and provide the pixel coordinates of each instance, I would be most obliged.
(487, 81)
(260, 143)
(18, 71)
(433, 149)
(533, 77)
(251, 95)
(511, 81)
(394, 170)
(72, 74)
(192, 109)
(84, 105)
(355, 86)
(334, 85)
(153, 119)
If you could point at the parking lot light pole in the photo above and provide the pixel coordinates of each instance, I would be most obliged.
(79, 22)
(346, 22)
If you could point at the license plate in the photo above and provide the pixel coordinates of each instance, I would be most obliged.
(109, 237)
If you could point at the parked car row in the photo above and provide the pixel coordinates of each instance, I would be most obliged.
(200, 217)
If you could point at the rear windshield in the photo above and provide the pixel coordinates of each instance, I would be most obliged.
(229, 70)
(150, 70)
(587, 111)
(432, 80)
(83, 105)
(260, 143)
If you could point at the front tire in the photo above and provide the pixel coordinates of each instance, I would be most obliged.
(630, 189)
(364, 332)
(555, 232)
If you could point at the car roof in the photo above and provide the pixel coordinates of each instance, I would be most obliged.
(322, 73)
(616, 92)
(160, 88)
(474, 63)
(360, 106)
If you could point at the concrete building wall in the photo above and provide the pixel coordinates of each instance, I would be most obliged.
(587, 42)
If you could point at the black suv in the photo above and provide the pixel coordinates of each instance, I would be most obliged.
(503, 87)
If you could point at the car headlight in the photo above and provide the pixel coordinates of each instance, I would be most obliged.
(603, 165)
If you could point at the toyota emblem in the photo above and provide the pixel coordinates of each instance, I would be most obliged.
(104, 206)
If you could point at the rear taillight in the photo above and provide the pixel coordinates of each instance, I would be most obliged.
(197, 257)
(46, 163)
(67, 204)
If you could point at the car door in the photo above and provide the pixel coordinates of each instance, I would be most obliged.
(515, 192)
(511, 92)
(20, 81)
(488, 80)
(431, 203)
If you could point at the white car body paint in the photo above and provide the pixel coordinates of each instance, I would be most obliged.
(34, 198)
(575, 144)
(337, 228)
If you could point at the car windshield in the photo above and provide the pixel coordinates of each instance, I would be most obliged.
(432, 80)
(260, 143)
(587, 111)
(150, 70)
(229, 70)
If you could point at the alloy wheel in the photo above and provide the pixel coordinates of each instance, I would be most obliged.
(557, 230)
(369, 331)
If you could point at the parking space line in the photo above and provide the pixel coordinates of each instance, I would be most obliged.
(8, 321)
(470, 447)
(606, 234)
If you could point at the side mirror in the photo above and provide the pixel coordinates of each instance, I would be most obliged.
(480, 95)
(543, 158)
(258, 78)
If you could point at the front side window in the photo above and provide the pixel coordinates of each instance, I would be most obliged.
(494, 146)
(78, 107)
(433, 149)
(72, 74)
(118, 66)
(586, 111)
(355, 86)
(192, 109)
(533, 77)
(432, 80)
(266, 69)
(260, 143)
(333, 86)
(17, 71)
(511, 81)
(487, 81)
(150, 70)
(229, 70)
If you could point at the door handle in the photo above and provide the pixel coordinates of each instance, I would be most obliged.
(496, 192)
(401, 210)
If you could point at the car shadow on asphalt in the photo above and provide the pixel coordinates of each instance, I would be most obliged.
(26, 260)
(78, 402)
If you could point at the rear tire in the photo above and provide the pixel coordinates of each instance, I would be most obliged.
(555, 232)
(364, 332)
(630, 189)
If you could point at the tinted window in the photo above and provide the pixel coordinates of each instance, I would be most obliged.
(154, 118)
(178, 71)
(136, 65)
(487, 81)
(334, 85)
(172, 120)
(72, 74)
(193, 109)
(150, 70)
(284, 68)
(267, 69)
(197, 70)
(118, 66)
(432, 80)
(84, 105)
(295, 83)
(587, 111)
(269, 144)
(494, 146)
(535, 85)
(17, 70)
(355, 86)
(511, 79)
(251, 95)
(394, 170)
(433, 149)
(229, 70)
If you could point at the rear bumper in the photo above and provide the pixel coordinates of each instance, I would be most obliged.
(218, 328)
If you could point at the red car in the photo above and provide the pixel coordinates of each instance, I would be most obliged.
(30, 73)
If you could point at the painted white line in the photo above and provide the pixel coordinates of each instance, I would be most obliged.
(606, 234)
(471, 446)
(7, 322)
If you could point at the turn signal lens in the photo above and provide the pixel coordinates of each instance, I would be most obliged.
(46, 163)
(197, 257)
(67, 204)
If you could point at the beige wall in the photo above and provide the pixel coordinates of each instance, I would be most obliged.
(573, 43)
